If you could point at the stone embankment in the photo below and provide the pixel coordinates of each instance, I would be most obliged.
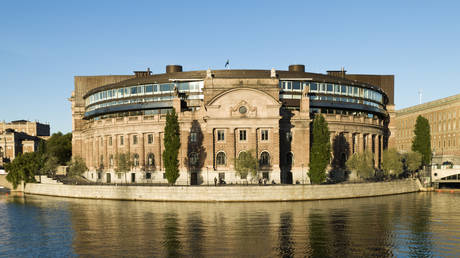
(6, 184)
(226, 193)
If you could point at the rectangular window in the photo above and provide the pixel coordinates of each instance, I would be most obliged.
(296, 86)
(264, 135)
(193, 137)
(150, 138)
(166, 87)
(110, 140)
(134, 139)
(330, 88)
(242, 135)
(133, 90)
(220, 135)
(148, 176)
(122, 140)
(313, 87)
(149, 88)
(101, 141)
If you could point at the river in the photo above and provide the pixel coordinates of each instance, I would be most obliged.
(418, 225)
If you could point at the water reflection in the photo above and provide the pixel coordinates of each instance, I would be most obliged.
(403, 225)
(286, 244)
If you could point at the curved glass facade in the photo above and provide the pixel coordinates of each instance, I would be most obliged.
(319, 91)
(140, 94)
(143, 90)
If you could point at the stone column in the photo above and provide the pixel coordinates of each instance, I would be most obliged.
(106, 156)
(159, 154)
(380, 149)
(376, 150)
(230, 141)
(115, 148)
(142, 154)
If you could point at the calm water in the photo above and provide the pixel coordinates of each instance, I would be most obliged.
(421, 224)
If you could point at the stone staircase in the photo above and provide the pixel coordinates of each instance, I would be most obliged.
(47, 180)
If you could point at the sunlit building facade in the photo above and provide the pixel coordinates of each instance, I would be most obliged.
(444, 118)
(223, 113)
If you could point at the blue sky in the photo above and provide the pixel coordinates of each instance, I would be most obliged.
(43, 44)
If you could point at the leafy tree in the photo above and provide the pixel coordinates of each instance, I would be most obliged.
(392, 162)
(362, 164)
(23, 168)
(245, 164)
(172, 145)
(77, 166)
(413, 161)
(320, 154)
(422, 139)
(60, 146)
(50, 165)
(124, 163)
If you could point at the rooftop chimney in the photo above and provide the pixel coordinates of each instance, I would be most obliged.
(297, 68)
(143, 73)
(337, 73)
(173, 68)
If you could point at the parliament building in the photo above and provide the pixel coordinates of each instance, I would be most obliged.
(223, 113)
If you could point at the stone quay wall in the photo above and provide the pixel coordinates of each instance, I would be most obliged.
(6, 184)
(226, 193)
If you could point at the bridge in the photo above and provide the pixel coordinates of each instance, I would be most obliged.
(446, 175)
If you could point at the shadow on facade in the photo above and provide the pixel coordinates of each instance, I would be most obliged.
(196, 154)
(286, 157)
(340, 154)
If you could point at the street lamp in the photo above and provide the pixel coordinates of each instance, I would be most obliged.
(303, 181)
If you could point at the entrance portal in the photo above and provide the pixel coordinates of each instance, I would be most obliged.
(194, 179)
(133, 177)
(109, 178)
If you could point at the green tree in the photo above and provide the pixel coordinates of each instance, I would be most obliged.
(413, 161)
(50, 165)
(362, 164)
(60, 146)
(77, 166)
(23, 168)
(172, 145)
(245, 164)
(422, 140)
(320, 154)
(124, 163)
(392, 162)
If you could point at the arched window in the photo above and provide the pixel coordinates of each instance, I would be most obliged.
(264, 159)
(150, 160)
(221, 159)
(136, 160)
(193, 158)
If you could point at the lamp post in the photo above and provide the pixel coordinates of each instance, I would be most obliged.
(303, 180)
(431, 168)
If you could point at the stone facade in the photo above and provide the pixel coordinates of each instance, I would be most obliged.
(20, 137)
(221, 113)
(444, 118)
